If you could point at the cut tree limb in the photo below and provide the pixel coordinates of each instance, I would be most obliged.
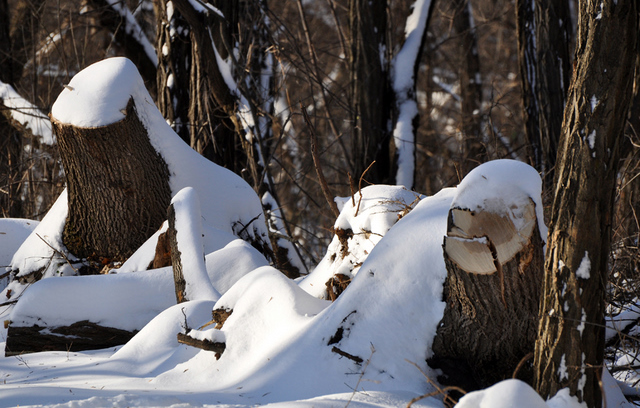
(208, 345)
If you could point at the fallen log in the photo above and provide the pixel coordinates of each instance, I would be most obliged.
(84, 335)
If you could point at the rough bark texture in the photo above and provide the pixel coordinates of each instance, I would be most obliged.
(174, 71)
(492, 293)
(79, 336)
(481, 339)
(570, 347)
(200, 106)
(544, 38)
(525, 18)
(370, 91)
(178, 277)
(553, 39)
(118, 187)
(208, 89)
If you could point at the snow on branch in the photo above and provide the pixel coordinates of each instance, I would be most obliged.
(132, 28)
(26, 114)
(403, 82)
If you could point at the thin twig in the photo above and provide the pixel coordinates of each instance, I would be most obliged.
(373, 350)
(521, 363)
(439, 390)
(57, 252)
(433, 394)
(316, 161)
(360, 186)
(353, 189)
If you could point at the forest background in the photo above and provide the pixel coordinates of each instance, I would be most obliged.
(325, 83)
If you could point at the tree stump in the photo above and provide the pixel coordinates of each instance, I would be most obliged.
(492, 293)
(118, 187)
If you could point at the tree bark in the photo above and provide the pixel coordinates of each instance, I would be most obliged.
(553, 40)
(492, 294)
(544, 38)
(570, 345)
(190, 75)
(207, 345)
(372, 98)
(118, 187)
(78, 336)
(475, 152)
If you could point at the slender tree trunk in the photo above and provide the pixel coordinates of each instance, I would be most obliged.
(570, 345)
(10, 140)
(371, 94)
(525, 18)
(544, 39)
(475, 152)
(553, 40)
(114, 204)
(405, 113)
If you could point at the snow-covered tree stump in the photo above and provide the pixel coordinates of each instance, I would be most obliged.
(118, 187)
(494, 256)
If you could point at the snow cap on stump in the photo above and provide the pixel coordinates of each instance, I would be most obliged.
(493, 215)
(98, 95)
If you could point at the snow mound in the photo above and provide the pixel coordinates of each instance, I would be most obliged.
(505, 394)
(13, 232)
(363, 221)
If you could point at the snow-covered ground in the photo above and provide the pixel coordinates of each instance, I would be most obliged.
(286, 345)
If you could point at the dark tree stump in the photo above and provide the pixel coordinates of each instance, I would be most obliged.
(491, 317)
(118, 187)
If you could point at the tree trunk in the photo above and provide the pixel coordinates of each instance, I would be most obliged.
(212, 125)
(553, 40)
(492, 294)
(118, 187)
(544, 39)
(371, 94)
(192, 94)
(525, 19)
(405, 113)
(190, 277)
(475, 152)
(570, 345)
